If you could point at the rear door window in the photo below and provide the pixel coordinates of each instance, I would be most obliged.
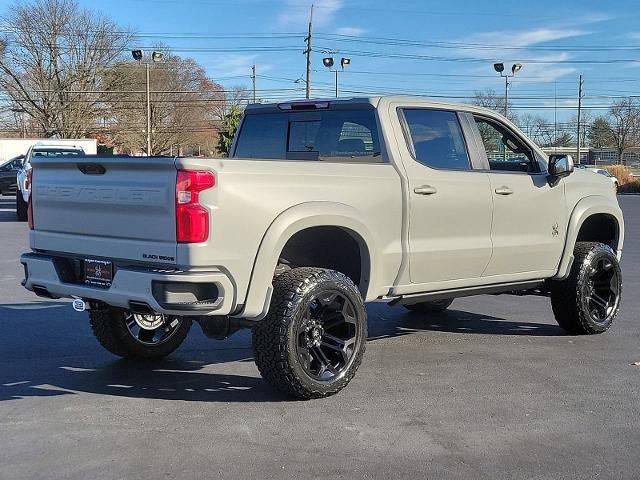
(436, 138)
(332, 135)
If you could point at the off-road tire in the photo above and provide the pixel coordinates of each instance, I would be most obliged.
(430, 307)
(110, 329)
(274, 337)
(568, 296)
(21, 207)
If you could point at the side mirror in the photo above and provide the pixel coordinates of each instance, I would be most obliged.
(560, 166)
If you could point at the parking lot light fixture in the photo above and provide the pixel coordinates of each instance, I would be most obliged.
(137, 55)
(515, 68)
(328, 62)
(156, 56)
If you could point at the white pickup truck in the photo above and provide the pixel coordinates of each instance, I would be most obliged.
(321, 207)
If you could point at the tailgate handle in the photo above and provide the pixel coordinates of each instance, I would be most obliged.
(91, 168)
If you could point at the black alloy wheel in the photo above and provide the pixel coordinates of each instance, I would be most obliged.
(312, 340)
(326, 338)
(588, 300)
(602, 290)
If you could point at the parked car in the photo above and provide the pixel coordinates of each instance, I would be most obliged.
(8, 172)
(604, 172)
(321, 207)
(22, 176)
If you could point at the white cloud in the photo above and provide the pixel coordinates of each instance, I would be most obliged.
(232, 65)
(547, 68)
(561, 103)
(352, 31)
(297, 13)
(514, 47)
(523, 39)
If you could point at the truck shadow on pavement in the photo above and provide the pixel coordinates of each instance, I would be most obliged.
(454, 321)
(70, 361)
(166, 380)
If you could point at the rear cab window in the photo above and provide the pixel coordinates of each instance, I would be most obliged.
(345, 136)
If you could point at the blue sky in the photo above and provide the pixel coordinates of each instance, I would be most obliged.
(453, 45)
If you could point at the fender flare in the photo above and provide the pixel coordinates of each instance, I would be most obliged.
(283, 227)
(585, 208)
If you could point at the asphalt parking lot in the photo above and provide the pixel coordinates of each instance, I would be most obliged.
(490, 389)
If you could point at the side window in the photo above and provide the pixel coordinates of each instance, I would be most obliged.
(437, 139)
(504, 151)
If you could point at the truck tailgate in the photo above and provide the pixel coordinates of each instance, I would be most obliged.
(121, 208)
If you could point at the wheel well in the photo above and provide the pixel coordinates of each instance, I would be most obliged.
(601, 228)
(331, 247)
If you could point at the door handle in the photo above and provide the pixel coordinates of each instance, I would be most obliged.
(504, 191)
(425, 190)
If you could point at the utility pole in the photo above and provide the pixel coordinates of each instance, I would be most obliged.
(253, 79)
(308, 52)
(148, 113)
(581, 84)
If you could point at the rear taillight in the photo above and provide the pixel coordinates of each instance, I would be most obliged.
(192, 219)
(29, 185)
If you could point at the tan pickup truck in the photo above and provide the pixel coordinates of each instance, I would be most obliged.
(321, 207)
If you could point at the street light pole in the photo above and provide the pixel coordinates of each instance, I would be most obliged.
(138, 55)
(149, 153)
(506, 96)
(328, 62)
(499, 67)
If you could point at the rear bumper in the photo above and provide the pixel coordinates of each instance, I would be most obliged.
(169, 292)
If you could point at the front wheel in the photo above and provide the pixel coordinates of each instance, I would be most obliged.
(588, 300)
(135, 336)
(312, 341)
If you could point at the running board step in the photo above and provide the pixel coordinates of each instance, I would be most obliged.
(466, 292)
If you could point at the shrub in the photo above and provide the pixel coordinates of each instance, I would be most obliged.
(622, 173)
(630, 187)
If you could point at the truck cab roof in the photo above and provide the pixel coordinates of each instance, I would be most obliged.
(362, 102)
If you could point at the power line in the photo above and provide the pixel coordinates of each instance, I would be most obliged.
(387, 41)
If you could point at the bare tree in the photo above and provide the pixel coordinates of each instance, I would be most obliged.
(235, 99)
(625, 125)
(488, 98)
(542, 131)
(51, 63)
(184, 107)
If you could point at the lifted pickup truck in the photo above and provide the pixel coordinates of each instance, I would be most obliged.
(321, 207)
